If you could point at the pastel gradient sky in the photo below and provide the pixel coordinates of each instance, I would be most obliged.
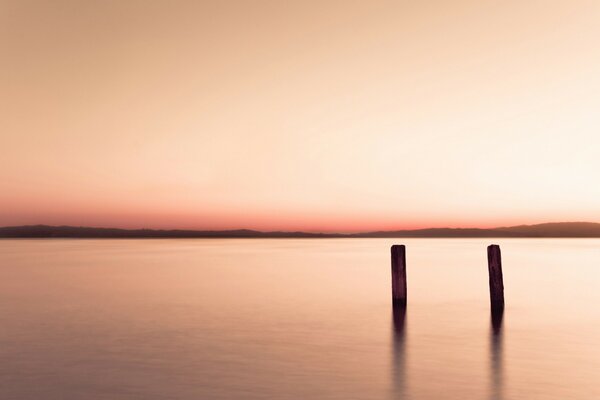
(312, 115)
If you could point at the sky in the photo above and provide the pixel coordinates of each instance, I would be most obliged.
(299, 115)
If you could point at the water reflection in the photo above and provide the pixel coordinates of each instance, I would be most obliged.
(496, 356)
(399, 352)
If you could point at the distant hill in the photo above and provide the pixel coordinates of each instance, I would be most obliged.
(46, 231)
(555, 229)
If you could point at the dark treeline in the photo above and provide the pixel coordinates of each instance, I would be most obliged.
(558, 229)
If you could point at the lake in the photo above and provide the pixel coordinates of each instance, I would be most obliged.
(296, 319)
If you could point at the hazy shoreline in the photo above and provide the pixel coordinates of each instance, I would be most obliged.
(547, 230)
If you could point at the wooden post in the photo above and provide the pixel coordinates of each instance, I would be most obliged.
(496, 281)
(399, 275)
(497, 316)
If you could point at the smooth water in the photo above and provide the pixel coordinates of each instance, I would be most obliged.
(296, 319)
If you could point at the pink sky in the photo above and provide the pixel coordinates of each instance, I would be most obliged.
(323, 116)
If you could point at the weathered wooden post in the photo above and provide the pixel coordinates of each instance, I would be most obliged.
(496, 281)
(399, 275)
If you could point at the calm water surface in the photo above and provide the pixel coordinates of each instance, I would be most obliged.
(296, 319)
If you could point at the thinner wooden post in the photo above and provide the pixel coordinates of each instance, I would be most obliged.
(496, 281)
(399, 275)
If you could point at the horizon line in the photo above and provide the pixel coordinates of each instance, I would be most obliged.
(294, 231)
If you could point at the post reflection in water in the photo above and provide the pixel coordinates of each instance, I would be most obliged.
(399, 352)
(496, 378)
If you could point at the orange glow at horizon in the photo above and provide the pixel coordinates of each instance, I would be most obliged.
(328, 116)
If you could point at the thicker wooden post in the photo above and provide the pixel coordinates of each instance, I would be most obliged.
(496, 281)
(399, 275)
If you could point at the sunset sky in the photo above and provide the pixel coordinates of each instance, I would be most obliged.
(309, 115)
